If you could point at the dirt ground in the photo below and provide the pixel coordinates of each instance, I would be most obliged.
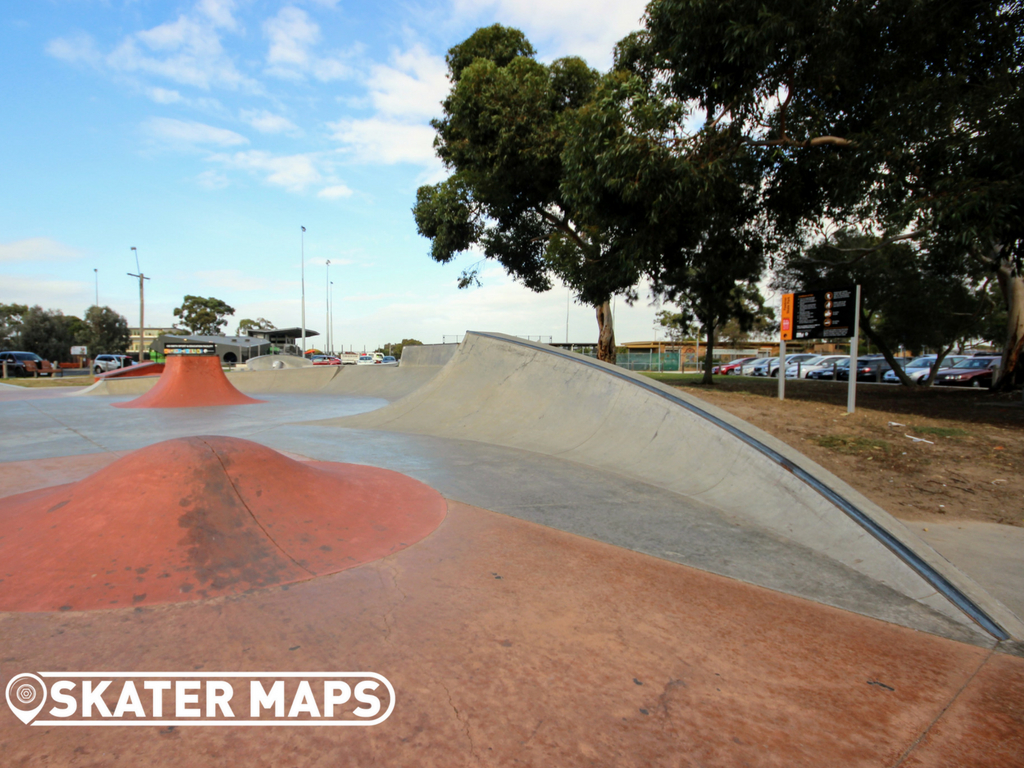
(970, 468)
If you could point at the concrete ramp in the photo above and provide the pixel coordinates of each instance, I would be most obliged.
(505, 391)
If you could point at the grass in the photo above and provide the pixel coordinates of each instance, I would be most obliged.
(853, 446)
(673, 377)
(68, 381)
(941, 431)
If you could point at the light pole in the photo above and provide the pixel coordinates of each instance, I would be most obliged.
(142, 303)
(96, 272)
(302, 266)
(330, 312)
(327, 307)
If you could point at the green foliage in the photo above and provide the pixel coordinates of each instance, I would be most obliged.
(108, 331)
(396, 349)
(51, 333)
(259, 324)
(203, 317)
(502, 135)
(11, 317)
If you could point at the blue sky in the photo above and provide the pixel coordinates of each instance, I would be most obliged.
(206, 133)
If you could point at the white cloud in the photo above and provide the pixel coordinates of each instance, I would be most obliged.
(587, 28)
(37, 249)
(187, 50)
(335, 192)
(189, 132)
(412, 87)
(212, 180)
(164, 96)
(267, 122)
(77, 49)
(293, 172)
(293, 36)
(379, 140)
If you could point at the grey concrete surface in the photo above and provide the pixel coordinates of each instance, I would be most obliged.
(510, 427)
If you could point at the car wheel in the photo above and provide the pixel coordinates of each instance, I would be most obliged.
(97, 370)
(775, 374)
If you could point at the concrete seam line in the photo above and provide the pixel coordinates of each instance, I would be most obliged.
(923, 569)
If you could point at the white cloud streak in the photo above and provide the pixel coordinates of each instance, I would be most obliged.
(190, 133)
(38, 249)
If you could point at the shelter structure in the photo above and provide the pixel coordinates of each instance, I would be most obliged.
(230, 349)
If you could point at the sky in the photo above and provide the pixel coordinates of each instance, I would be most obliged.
(206, 134)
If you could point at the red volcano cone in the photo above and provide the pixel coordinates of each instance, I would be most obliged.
(200, 517)
(191, 381)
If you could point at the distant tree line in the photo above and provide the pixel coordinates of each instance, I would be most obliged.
(51, 334)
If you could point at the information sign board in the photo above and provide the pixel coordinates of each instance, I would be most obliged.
(189, 348)
(818, 314)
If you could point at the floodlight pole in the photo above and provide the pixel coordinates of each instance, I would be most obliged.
(327, 308)
(142, 304)
(330, 312)
(302, 266)
(96, 272)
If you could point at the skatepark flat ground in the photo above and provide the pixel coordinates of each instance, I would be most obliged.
(621, 579)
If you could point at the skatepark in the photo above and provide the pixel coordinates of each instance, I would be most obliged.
(552, 560)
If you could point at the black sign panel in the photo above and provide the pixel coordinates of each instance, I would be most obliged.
(819, 315)
(189, 348)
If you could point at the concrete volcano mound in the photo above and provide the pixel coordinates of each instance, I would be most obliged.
(202, 517)
(191, 381)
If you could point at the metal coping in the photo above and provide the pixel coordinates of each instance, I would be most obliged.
(901, 550)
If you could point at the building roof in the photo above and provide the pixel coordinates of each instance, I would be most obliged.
(232, 341)
(282, 335)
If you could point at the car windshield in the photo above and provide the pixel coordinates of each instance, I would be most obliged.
(921, 362)
(974, 362)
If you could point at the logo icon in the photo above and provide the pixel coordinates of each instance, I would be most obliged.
(22, 692)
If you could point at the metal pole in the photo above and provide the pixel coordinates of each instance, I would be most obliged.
(330, 313)
(782, 369)
(568, 298)
(96, 272)
(851, 392)
(302, 267)
(327, 309)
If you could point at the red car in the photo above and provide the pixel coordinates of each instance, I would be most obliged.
(326, 360)
(972, 372)
(735, 365)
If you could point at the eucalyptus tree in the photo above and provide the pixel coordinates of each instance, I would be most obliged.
(502, 136)
(901, 119)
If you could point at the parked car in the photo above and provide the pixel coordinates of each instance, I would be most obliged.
(326, 360)
(16, 363)
(349, 358)
(762, 368)
(917, 370)
(868, 369)
(747, 369)
(104, 363)
(826, 372)
(389, 360)
(733, 366)
(971, 372)
(804, 368)
(365, 360)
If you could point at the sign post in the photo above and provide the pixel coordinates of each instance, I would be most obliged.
(851, 392)
(826, 315)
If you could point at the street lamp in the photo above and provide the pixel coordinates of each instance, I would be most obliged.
(327, 306)
(302, 265)
(330, 312)
(96, 272)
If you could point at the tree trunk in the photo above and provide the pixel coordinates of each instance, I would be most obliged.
(709, 355)
(937, 365)
(1011, 368)
(890, 358)
(605, 333)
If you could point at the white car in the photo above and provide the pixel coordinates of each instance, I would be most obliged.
(917, 370)
(747, 369)
(365, 360)
(814, 364)
(104, 363)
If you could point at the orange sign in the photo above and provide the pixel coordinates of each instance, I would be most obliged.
(787, 317)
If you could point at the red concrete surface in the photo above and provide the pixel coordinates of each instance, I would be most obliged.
(191, 381)
(509, 643)
(142, 369)
(199, 517)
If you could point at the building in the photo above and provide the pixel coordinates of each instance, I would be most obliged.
(151, 335)
(286, 340)
(230, 349)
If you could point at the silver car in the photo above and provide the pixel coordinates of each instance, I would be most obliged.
(814, 364)
(104, 363)
(917, 370)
